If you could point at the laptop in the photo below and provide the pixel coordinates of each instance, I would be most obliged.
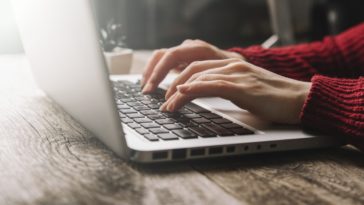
(61, 41)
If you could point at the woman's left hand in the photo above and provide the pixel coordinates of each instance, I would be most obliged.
(266, 94)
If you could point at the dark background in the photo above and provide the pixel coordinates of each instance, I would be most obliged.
(149, 24)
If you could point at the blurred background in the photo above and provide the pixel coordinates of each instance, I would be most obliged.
(150, 24)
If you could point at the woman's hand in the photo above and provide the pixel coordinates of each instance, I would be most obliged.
(266, 94)
(179, 57)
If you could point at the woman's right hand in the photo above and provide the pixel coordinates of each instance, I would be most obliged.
(179, 57)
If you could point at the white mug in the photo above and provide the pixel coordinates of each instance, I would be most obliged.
(119, 62)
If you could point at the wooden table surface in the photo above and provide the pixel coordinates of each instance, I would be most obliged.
(48, 158)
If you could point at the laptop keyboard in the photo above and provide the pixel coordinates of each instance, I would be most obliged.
(141, 113)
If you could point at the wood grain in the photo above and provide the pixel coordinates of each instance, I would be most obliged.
(331, 176)
(46, 157)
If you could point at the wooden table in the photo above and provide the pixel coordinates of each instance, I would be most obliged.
(48, 158)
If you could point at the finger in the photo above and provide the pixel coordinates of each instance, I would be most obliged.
(176, 57)
(225, 70)
(188, 92)
(187, 41)
(224, 77)
(157, 55)
(181, 98)
(173, 58)
(193, 68)
(163, 107)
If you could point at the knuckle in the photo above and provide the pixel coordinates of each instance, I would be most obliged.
(233, 67)
(200, 41)
(255, 87)
(158, 52)
(203, 78)
(234, 60)
(195, 76)
(195, 64)
(240, 66)
(222, 84)
(173, 52)
(187, 41)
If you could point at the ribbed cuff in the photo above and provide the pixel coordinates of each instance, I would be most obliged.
(336, 106)
(281, 61)
(251, 54)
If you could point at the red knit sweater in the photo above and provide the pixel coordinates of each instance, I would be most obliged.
(335, 66)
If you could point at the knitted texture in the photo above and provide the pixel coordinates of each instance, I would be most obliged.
(335, 67)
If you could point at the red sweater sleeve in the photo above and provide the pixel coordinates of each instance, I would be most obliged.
(335, 56)
(336, 106)
(335, 67)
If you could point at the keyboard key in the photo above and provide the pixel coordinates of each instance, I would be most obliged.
(145, 102)
(143, 107)
(192, 115)
(151, 137)
(172, 114)
(195, 108)
(221, 121)
(123, 106)
(126, 120)
(139, 111)
(217, 129)
(119, 102)
(142, 120)
(154, 106)
(168, 136)
(188, 124)
(133, 104)
(200, 120)
(149, 125)
(142, 131)
(135, 115)
(210, 115)
(151, 99)
(242, 131)
(172, 126)
(183, 119)
(125, 100)
(165, 121)
(185, 134)
(141, 98)
(158, 130)
(127, 111)
(133, 125)
(155, 117)
(148, 112)
(231, 125)
(184, 111)
(202, 132)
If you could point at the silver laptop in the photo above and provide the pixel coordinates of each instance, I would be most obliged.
(61, 41)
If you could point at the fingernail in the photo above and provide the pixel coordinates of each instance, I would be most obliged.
(148, 88)
(163, 107)
(166, 95)
(169, 108)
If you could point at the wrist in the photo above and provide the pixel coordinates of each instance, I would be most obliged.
(305, 91)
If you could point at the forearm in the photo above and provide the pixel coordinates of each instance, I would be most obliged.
(334, 56)
(336, 106)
